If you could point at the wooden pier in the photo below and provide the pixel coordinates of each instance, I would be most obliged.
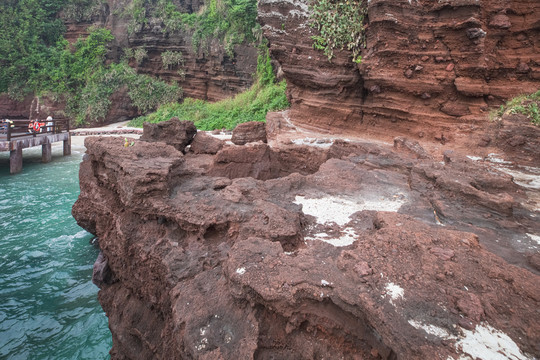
(18, 135)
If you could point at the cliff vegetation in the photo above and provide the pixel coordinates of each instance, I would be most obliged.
(37, 59)
(231, 21)
(28, 31)
(252, 105)
(341, 25)
(527, 105)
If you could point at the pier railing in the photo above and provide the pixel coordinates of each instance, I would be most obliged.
(24, 128)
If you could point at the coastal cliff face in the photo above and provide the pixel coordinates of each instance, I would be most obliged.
(339, 249)
(265, 252)
(205, 73)
(431, 69)
(208, 76)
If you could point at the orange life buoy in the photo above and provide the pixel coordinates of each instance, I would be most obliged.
(36, 127)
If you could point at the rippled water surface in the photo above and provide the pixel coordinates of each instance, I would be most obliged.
(48, 304)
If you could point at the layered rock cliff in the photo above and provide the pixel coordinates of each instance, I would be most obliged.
(335, 250)
(431, 69)
(209, 75)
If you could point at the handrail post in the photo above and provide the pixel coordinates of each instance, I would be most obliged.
(8, 131)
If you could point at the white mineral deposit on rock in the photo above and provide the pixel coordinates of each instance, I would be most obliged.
(394, 291)
(488, 343)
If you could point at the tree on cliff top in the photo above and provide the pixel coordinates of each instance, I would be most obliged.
(29, 32)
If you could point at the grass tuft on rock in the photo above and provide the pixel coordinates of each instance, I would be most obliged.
(528, 105)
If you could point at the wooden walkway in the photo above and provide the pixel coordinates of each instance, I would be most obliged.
(17, 135)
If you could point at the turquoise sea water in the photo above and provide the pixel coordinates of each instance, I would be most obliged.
(48, 304)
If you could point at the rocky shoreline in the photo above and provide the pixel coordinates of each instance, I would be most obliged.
(105, 131)
(339, 249)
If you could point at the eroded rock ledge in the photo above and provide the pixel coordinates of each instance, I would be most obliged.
(365, 251)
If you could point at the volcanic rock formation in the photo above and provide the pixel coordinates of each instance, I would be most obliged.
(337, 249)
(247, 132)
(431, 69)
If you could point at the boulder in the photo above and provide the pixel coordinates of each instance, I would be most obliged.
(278, 122)
(252, 131)
(204, 143)
(172, 132)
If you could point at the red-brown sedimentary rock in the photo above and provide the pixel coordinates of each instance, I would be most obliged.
(373, 252)
(174, 132)
(247, 132)
(516, 137)
(207, 73)
(431, 69)
(14, 109)
(203, 143)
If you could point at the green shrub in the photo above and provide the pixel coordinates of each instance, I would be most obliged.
(139, 55)
(27, 29)
(527, 105)
(94, 101)
(230, 21)
(82, 10)
(171, 58)
(127, 53)
(67, 71)
(135, 13)
(147, 93)
(35, 58)
(252, 105)
(86, 83)
(341, 26)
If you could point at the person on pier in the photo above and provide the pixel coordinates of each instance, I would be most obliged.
(49, 125)
(5, 124)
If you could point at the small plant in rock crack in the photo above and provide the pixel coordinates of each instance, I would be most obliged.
(341, 25)
(127, 143)
(528, 105)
